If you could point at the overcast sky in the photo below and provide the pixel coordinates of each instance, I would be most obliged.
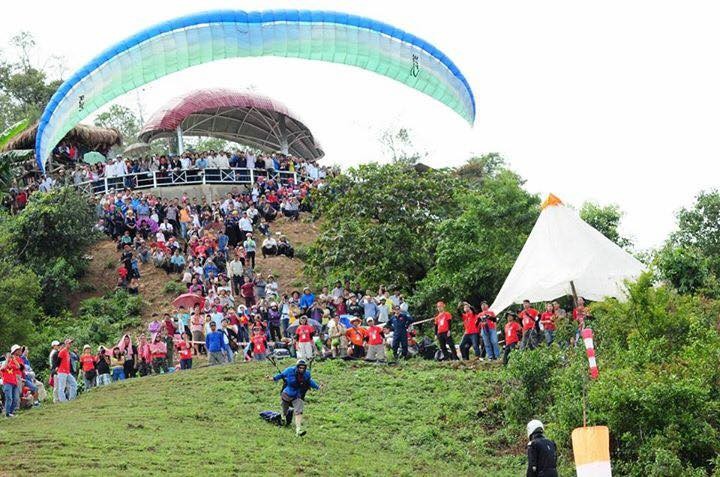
(615, 101)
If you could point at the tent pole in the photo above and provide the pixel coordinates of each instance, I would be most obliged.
(574, 294)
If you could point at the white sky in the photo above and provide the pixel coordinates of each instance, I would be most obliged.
(610, 101)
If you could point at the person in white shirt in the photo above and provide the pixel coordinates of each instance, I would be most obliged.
(245, 224)
(185, 163)
(166, 228)
(222, 161)
(269, 247)
(383, 311)
(212, 161)
(252, 213)
(235, 274)
(250, 161)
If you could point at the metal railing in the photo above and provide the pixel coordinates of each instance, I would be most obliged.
(170, 178)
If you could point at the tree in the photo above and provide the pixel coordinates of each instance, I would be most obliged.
(399, 146)
(379, 224)
(606, 220)
(49, 237)
(121, 118)
(19, 309)
(24, 88)
(699, 227)
(476, 249)
(686, 268)
(209, 144)
(478, 168)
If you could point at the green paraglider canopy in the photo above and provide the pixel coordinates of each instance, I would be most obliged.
(200, 38)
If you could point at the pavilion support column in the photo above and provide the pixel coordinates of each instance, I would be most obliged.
(180, 144)
(284, 148)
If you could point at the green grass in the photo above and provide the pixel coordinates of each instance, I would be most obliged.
(419, 418)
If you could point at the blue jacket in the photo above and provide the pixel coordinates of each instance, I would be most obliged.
(293, 387)
(307, 300)
(400, 323)
(215, 341)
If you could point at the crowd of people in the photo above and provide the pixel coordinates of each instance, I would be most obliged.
(231, 311)
(127, 168)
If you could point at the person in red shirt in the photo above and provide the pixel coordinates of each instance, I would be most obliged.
(12, 376)
(512, 335)
(547, 321)
(65, 381)
(357, 336)
(304, 336)
(185, 351)
(472, 333)
(530, 318)
(442, 331)
(580, 314)
(247, 291)
(488, 331)
(375, 342)
(259, 345)
(87, 362)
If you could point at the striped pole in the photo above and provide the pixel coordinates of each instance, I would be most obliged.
(587, 335)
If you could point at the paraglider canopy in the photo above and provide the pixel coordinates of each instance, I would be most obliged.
(195, 39)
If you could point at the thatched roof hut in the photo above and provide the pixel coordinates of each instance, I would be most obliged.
(89, 137)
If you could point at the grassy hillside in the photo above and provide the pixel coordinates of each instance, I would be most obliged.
(419, 418)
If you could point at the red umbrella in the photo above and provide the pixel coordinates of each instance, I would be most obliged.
(188, 300)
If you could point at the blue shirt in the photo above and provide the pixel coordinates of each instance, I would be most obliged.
(371, 309)
(293, 386)
(215, 341)
(201, 163)
(400, 323)
(307, 300)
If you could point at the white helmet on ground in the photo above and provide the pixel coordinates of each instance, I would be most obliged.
(533, 426)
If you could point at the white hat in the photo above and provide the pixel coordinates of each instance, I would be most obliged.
(55, 343)
(533, 426)
(369, 319)
(14, 348)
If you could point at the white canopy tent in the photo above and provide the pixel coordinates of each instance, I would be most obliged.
(561, 251)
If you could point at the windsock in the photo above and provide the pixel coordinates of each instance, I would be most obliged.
(587, 335)
(591, 449)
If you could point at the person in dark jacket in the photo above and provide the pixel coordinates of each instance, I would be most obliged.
(399, 323)
(541, 452)
(297, 381)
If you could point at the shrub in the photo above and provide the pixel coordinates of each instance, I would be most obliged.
(657, 390)
(174, 288)
(529, 375)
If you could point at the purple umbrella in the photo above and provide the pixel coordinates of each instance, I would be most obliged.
(154, 227)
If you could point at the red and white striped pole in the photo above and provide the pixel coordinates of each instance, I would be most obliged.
(587, 335)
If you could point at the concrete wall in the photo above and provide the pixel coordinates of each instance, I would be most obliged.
(209, 191)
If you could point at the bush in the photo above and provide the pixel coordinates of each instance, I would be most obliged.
(174, 288)
(657, 390)
(50, 237)
(529, 375)
(100, 321)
